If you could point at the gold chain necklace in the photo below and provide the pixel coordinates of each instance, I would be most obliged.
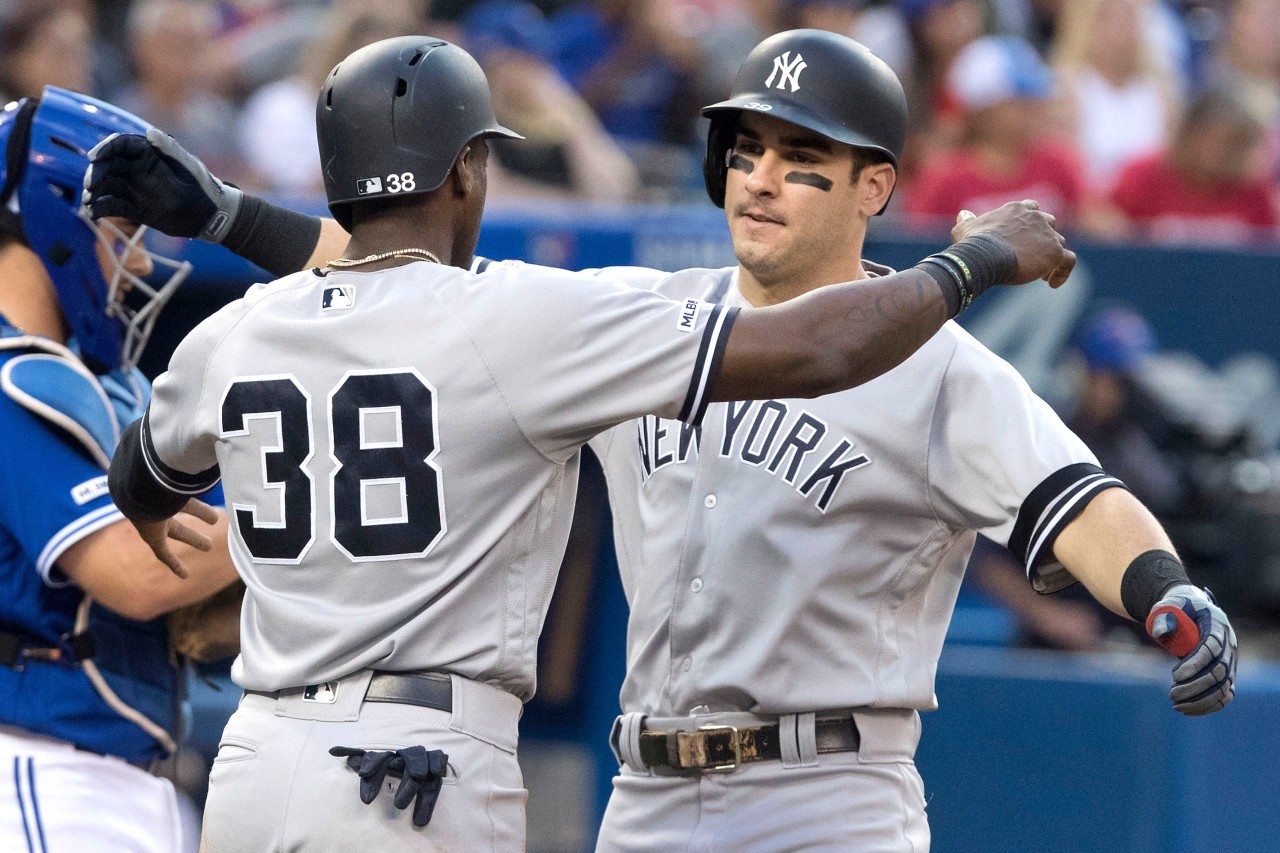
(411, 254)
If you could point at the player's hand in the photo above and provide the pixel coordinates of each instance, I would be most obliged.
(152, 180)
(1191, 627)
(158, 533)
(1041, 251)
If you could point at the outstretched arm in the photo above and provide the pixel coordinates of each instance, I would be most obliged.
(840, 336)
(1118, 550)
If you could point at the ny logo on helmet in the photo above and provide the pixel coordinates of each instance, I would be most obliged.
(787, 70)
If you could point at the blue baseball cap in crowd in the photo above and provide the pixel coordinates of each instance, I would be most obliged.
(1116, 340)
(513, 25)
(996, 69)
(914, 10)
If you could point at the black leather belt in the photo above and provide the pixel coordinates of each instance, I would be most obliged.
(425, 689)
(718, 749)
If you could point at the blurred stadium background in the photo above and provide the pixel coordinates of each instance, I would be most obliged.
(1150, 127)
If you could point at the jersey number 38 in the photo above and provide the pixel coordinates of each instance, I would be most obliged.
(397, 459)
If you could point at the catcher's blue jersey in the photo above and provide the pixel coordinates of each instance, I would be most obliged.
(52, 495)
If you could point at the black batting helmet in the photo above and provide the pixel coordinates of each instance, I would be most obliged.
(818, 80)
(393, 116)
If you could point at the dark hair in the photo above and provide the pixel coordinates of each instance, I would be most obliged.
(377, 208)
(866, 157)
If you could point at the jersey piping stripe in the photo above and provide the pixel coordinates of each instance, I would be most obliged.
(172, 479)
(73, 533)
(1065, 511)
(22, 806)
(715, 335)
(35, 802)
(479, 265)
(22, 803)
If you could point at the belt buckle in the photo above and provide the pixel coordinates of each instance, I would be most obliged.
(735, 741)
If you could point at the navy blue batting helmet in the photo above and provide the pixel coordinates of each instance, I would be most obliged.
(822, 81)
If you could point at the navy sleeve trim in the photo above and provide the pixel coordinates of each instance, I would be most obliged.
(715, 336)
(479, 264)
(1053, 505)
(171, 478)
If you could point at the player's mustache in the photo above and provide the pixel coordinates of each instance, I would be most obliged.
(758, 210)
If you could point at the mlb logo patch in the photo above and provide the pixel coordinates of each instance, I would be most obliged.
(338, 297)
(365, 186)
(326, 693)
(688, 319)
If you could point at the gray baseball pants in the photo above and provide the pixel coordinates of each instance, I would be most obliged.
(275, 787)
(869, 801)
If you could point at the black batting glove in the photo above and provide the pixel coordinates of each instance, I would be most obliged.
(421, 773)
(1190, 625)
(154, 181)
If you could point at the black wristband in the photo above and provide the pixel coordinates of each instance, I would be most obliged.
(275, 238)
(948, 280)
(965, 270)
(1147, 579)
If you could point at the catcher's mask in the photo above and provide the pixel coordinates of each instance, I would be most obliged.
(46, 143)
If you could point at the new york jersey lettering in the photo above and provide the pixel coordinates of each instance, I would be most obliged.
(789, 443)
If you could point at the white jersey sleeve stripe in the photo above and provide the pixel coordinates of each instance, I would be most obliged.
(171, 478)
(1064, 512)
(73, 533)
(1040, 503)
(715, 335)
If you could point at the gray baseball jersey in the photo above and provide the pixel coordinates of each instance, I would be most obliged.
(399, 451)
(796, 555)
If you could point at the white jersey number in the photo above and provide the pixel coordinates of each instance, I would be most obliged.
(399, 461)
(402, 183)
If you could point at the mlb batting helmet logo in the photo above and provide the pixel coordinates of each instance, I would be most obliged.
(787, 70)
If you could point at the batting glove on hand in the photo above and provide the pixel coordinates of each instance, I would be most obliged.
(154, 181)
(1192, 627)
(421, 775)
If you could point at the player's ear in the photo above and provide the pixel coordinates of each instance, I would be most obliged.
(875, 185)
(468, 174)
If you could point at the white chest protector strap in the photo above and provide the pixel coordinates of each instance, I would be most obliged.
(51, 383)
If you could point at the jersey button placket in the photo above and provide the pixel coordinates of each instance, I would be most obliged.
(709, 501)
(696, 585)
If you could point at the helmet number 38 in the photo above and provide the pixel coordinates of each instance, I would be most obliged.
(402, 183)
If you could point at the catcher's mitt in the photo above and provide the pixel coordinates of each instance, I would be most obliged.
(208, 630)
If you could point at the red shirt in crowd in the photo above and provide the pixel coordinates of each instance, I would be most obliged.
(1168, 208)
(1051, 174)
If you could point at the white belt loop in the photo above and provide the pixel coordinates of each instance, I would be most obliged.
(788, 742)
(629, 727)
(485, 712)
(806, 739)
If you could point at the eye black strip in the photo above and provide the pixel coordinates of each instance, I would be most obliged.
(811, 179)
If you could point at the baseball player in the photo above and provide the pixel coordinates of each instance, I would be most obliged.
(402, 459)
(89, 696)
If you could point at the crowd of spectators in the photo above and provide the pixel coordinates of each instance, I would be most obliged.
(1129, 119)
